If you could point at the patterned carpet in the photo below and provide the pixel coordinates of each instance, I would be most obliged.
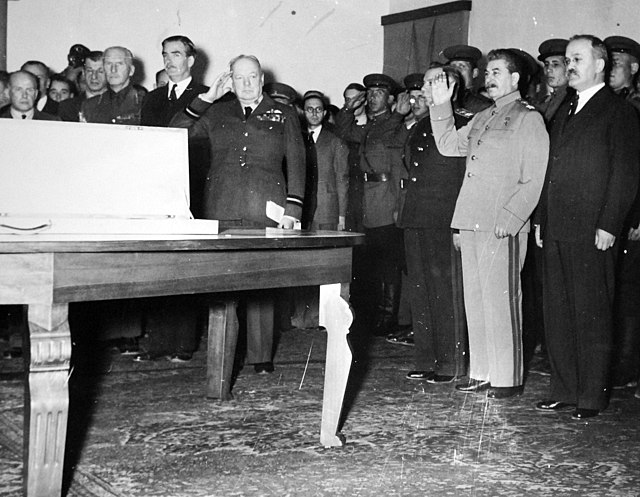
(147, 430)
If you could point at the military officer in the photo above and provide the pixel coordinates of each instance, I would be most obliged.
(249, 137)
(381, 164)
(507, 149)
(555, 76)
(625, 62)
(465, 59)
(282, 93)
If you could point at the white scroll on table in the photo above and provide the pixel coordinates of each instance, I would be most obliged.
(77, 178)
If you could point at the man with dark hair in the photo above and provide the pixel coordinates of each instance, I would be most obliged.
(506, 146)
(61, 89)
(42, 73)
(122, 102)
(249, 138)
(23, 95)
(171, 322)
(95, 83)
(555, 75)
(591, 182)
(465, 59)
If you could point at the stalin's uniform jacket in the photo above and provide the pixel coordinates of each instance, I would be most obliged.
(246, 158)
(380, 161)
(507, 148)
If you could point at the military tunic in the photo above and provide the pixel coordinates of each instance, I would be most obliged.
(123, 107)
(507, 149)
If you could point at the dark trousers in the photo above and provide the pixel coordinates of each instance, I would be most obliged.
(578, 290)
(437, 306)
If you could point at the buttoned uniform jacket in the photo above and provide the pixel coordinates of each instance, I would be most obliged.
(5, 113)
(434, 180)
(69, 109)
(380, 153)
(593, 169)
(333, 177)
(123, 107)
(247, 157)
(507, 148)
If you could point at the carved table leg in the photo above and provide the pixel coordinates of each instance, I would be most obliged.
(336, 317)
(46, 399)
(221, 348)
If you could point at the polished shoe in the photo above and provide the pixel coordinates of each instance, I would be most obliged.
(584, 413)
(263, 368)
(405, 338)
(441, 378)
(180, 357)
(554, 406)
(420, 375)
(504, 392)
(473, 386)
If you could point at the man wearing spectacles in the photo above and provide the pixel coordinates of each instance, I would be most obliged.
(23, 94)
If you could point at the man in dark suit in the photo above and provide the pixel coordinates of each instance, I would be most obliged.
(171, 322)
(249, 137)
(23, 94)
(327, 169)
(95, 83)
(591, 182)
(42, 72)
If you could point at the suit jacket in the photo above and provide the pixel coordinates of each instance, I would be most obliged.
(69, 109)
(158, 110)
(333, 177)
(247, 157)
(50, 107)
(37, 115)
(507, 147)
(381, 141)
(593, 172)
(434, 180)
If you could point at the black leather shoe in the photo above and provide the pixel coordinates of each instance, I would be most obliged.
(420, 375)
(440, 378)
(473, 386)
(554, 406)
(584, 413)
(263, 368)
(504, 392)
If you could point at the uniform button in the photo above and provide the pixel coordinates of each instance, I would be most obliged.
(420, 149)
(477, 226)
(487, 127)
(244, 149)
(416, 164)
(493, 113)
(473, 157)
(414, 179)
(479, 142)
(246, 134)
(470, 175)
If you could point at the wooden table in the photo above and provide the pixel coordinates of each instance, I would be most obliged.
(48, 273)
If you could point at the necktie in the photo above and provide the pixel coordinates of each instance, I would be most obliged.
(247, 112)
(24, 116)
(573, 105)
(311, 182)
(172, 95)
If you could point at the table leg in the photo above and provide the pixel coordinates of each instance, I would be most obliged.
(46, 399)
(221, 348)
(336, 317)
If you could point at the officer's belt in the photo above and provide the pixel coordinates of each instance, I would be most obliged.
(376, 177)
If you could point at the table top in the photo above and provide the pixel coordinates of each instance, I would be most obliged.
(232, 239)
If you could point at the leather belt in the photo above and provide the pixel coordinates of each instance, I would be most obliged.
(376, 177)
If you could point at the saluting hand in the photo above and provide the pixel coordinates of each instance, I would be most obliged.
(217, 88)
(355, 102)
(634, 234)
(441, 90)
(403, 103)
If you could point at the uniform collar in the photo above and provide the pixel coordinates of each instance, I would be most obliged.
(507, 99)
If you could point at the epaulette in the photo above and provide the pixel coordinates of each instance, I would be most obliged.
(464, 113)
(526, 104)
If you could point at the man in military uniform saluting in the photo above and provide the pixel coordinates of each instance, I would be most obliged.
(249, 138)
(381, 163)
(465, 59)
(507, 148)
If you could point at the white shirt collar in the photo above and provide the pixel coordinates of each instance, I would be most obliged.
(181, 86)
(316, 133)
(16, 114)
(585, 95)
